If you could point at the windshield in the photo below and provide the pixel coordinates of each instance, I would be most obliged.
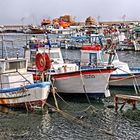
(105, 56)
(55, 55)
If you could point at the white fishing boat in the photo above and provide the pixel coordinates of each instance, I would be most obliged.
(68, 78)
(93, 82)
(17, 87)
(96, 55)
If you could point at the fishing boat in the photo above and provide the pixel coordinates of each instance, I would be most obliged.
(17, 87)
(131, 41)
(97, 55)
(45, 22)
(93, 82)
(68, 78)
(32, 29)
(126, 45)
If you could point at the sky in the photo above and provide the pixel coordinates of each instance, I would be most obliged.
(33, 11)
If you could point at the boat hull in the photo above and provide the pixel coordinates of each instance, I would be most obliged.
(27, 96)
(92, 82)
(126, 79)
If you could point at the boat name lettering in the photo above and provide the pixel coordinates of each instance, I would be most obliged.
(89, 76)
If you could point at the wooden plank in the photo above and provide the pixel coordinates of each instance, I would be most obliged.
(128, 97)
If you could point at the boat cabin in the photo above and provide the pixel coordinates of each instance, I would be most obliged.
(13, 73)
(54, 54)
(93, 56)
(13, 64)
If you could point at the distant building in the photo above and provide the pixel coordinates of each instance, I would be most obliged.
(119, 22)
(90, 21)
(67, 18)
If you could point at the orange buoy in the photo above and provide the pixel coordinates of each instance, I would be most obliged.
(43, 61)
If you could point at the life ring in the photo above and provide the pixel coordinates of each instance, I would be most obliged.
(43, 61)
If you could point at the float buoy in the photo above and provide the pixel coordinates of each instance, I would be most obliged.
(43, 61)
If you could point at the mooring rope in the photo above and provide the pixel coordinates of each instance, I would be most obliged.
(84, 87)
(79, 120)
(94, 109)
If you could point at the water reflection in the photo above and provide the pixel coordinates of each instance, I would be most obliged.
(45, 125)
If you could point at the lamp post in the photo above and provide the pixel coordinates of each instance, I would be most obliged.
(98, 18)
(124, 18)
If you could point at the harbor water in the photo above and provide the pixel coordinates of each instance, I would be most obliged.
(78, 119)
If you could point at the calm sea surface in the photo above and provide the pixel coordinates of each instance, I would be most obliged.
(79, 119)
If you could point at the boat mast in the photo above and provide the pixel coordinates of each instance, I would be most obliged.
(2, 44)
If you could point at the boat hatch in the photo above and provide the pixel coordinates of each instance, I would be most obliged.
(13, 65)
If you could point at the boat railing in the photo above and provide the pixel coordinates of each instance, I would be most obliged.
(23, 81)
(5, 83)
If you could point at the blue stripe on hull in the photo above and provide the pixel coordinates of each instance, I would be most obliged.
(134, 68)
(125, 74)
(41, 85)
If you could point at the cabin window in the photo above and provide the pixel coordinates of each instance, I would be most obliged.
(104, 57)
(15, 65)
(93, 59)
(33, 53)
(33, 57)
(33, 60)
(55, 55)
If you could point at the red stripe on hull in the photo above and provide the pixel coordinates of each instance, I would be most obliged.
(118, 78)
(77, 73)
(122, 78)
